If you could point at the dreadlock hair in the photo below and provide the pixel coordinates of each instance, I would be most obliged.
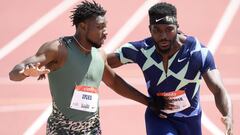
(161, 10)
(86, 10)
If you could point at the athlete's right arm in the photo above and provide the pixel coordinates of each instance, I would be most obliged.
(34, 65)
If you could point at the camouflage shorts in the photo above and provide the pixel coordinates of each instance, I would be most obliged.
(58, 124)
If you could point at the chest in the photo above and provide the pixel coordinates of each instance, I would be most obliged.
(181, 67)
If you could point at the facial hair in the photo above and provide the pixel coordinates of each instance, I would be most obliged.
(172, 42)
(96, 45)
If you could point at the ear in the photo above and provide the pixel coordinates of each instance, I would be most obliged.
(149, 27)
(83, 26)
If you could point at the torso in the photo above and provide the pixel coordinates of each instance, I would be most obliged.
(74, 68)
(182, 71)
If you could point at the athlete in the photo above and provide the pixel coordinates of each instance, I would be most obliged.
(75, 66)
(173, 65)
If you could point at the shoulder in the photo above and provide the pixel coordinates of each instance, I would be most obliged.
(195, 45)
(182, 38)
(54, 46)
(49, 46)
(54, 50)
(199, 50)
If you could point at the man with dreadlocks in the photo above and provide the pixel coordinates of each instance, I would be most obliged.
(75, 66)
(173, 65)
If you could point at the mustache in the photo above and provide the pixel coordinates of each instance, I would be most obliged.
(104, 37)
(164, 40)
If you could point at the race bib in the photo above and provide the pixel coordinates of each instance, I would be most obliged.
(177, 98)
(85, 98)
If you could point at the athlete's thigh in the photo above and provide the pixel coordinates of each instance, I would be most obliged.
(188, 126)
(195, 125)
(158, 126)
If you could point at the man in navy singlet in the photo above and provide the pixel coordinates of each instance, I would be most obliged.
(173, 65)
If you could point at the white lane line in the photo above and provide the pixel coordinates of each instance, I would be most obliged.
(210, 126)
(39, 122)
(27, 81)
(134, 20)
(213, 44)
(210, 97)
(223, 25)
(35, 27)
(103, 103)
(19, 108)
(129, 26)
(231, 81)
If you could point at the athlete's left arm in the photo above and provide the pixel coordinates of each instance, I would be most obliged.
(115, 82)
(222, 100)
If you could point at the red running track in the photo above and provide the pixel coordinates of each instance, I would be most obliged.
(22, 103)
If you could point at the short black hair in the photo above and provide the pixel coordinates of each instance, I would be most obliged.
(161, 10)
(164, 9)
(86, 10)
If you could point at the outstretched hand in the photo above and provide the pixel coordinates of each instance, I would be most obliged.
(34, 70)
(227, 121)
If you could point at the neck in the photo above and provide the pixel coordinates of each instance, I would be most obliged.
(80, 45)
(171, 52)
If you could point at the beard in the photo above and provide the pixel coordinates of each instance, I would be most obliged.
(165, 51)
(94, 44)
(171, 44)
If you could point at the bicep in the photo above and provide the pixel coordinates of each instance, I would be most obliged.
(213, 80)
(127, 53)
(108, 75)
(45, 54)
